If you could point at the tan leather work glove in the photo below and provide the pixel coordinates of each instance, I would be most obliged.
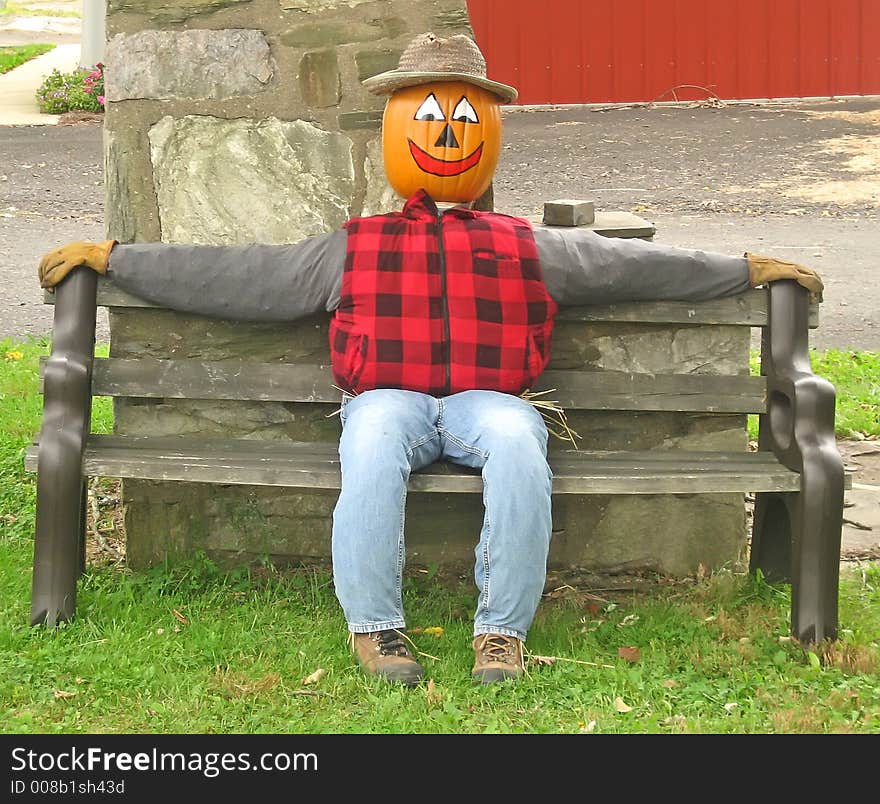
(769, 269)
(61, 261)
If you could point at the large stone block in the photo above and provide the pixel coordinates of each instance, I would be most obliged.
(381, 196)
(170, 10)
(331, 32)
(319, 79)
(163, 65)
(249, 181)
(130, 201)
(319, 6)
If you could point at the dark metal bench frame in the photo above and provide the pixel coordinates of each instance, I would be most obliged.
(796, 534)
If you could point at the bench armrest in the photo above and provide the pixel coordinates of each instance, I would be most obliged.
(798, 426)
(67, 396)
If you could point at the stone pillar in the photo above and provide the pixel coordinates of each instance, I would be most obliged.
(236, 121)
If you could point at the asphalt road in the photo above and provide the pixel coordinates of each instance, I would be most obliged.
(799, 181)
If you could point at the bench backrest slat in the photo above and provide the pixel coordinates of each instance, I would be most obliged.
(748, 309)
(305, 382)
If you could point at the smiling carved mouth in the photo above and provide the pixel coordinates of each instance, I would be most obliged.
(444, 167)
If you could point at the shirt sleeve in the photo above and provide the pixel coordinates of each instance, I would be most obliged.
(248, 283)
(582, 267)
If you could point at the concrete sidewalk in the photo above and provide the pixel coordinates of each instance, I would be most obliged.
(18, 103)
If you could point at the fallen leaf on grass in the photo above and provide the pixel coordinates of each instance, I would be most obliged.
(179, 616)
(629, 652)
(315, 677)
(622, 706)
(729, 707)
(670, 683)
(542, 659)
(64, 694)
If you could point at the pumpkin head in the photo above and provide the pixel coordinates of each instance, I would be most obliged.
(443, 137)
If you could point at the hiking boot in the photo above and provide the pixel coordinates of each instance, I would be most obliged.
(497, 658)
(386, 654)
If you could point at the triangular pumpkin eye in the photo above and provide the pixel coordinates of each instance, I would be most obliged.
(464, 112)
(430, 109)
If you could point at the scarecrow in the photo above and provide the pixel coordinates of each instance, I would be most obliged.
(442, 318)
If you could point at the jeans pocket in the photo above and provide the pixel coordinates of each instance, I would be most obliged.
(346, 398)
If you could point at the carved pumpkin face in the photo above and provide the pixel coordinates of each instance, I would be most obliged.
(443, 137)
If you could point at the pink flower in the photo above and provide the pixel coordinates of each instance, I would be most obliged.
(101, 99)
(87, 90)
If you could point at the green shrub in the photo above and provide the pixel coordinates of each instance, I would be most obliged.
(81, 90)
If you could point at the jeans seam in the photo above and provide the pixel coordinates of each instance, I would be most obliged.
(419, 441)
(485, 551)
(463, 444)
(369, 628)
(401, 543)
(491, 629)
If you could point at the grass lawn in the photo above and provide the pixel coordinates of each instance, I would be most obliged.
(194, 649)
(15, 55)
(32, 9)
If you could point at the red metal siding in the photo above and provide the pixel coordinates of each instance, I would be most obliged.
(619, 51)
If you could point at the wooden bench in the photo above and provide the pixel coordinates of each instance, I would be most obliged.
(796, 473)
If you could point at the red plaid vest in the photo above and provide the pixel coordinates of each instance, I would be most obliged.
(441, 303)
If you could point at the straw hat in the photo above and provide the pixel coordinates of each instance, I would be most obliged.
(429, 58)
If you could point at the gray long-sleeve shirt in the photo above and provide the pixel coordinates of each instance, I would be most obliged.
(286, 282)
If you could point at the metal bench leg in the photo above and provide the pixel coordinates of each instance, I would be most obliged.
(59, 539)
(797, 535)
(796, 539)
(816, 552)
(770, 549)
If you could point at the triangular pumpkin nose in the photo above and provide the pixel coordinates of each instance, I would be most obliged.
(447, 139)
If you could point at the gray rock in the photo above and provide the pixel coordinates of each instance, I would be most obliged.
(249, 181)
(381, 196)
(319, 6)
(319, 80)
(163, 65)
(170, 10)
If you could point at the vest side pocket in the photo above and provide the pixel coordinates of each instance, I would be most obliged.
(355, 358)
(536, 353)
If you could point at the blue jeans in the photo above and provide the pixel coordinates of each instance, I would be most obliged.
(389, 433)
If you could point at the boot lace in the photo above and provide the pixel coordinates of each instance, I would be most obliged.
(391, 643)
(499, 648)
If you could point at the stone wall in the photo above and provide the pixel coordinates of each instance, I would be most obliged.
(236, 121)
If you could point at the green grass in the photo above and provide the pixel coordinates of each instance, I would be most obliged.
(36, 10)
(856, 379)
(15, 55)
(194, 649)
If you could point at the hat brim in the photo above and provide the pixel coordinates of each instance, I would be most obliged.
(388, 82)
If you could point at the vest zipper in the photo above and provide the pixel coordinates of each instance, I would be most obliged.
(447, 345)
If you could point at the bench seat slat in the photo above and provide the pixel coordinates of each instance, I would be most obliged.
(282, 382)
(316, 466)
